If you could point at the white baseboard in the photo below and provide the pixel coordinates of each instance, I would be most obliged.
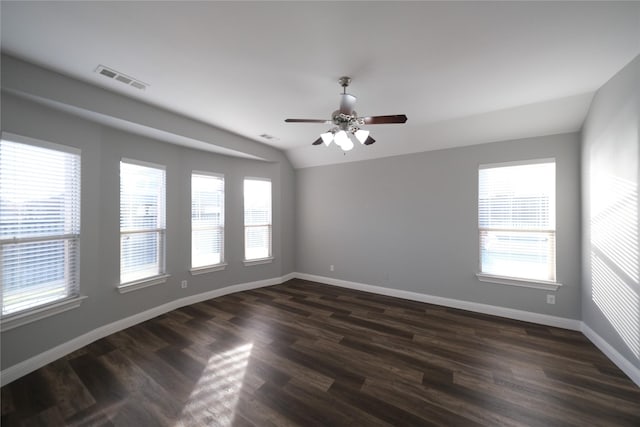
(621, 362)
(18, 370)
(527, 316)
(23, 368)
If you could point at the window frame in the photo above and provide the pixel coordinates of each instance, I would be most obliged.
(551, 285)
(161, 276)
(269, 258)
(195, 270)
(72, 299)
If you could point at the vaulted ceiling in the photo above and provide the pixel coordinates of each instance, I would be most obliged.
(463, 72)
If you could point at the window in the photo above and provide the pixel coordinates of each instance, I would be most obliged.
(142, 221)
(257, 219)
(39, 223)
(516, 216)
(207, 220)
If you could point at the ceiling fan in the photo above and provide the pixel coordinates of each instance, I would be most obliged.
(346, 122)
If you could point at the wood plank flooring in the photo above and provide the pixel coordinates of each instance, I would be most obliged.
(308, 354)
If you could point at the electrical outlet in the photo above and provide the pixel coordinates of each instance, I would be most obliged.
(183, 284)
(331, 267)
(551, 299)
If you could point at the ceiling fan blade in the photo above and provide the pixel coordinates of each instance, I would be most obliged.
(347, 103)
(380, 120)
(317, 141)
(307, 121)
(369, 141)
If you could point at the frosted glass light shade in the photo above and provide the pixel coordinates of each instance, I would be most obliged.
(347, 145)
(341, 138)
(327, 138)
(362, 135)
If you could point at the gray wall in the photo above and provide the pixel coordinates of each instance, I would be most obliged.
(410, 223)
(610, 176)
(102, 148)
(406, 222)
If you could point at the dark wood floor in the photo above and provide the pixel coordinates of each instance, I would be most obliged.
(307, 354)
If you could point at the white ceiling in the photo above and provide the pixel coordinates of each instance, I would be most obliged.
(463, 73)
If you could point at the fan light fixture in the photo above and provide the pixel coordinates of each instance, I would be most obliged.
(347, 123)
(343, 139)
(340, 137)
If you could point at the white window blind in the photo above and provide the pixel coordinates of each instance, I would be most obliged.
(207, 220)
(516, 215)
(142, 220)
(257, 219)
(39, 224)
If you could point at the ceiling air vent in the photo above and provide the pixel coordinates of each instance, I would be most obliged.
(123, 78)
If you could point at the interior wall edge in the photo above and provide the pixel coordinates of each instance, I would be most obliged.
(616, 357)
(494, 310)
(90, 102)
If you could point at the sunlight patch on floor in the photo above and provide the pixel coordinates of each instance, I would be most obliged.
(215, 396)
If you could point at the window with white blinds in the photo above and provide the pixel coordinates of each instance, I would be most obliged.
(39, 224)
(517, 220)
(142, 220)
(207, 220)
(257, 219)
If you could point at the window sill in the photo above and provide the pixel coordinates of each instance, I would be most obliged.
(208, 269)
(524, 283)
(259, 261)
(143, 283)
(15, 320)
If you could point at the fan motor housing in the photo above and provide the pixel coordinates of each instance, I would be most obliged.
(346, 122)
